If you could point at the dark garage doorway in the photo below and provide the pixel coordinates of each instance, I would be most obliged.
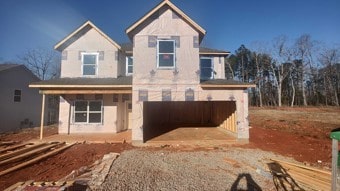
(162, 117)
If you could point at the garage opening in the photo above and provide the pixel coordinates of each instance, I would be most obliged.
(162, 117)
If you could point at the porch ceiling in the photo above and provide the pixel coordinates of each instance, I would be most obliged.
(84, 85)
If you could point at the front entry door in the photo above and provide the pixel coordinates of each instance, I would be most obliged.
(128, 115)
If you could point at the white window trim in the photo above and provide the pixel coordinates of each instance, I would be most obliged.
(82, 62)
(87, 112)
(174, 53)
(127, 65)
(212, 67)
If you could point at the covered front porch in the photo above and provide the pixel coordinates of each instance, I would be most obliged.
(89, 105)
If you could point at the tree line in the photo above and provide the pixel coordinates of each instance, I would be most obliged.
(293, 73)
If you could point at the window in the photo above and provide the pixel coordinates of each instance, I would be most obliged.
(88, 111)
(90, 61)
(17, 95)
(166, 53)
(129, 65)
(207, 69)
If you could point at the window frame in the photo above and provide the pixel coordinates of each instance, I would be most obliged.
(95, 65)
(17, 96)
(174, 54)
(127, 65)
(212, 68)
(88, 112)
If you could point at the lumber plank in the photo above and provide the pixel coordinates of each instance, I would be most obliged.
(30, 153)
(302, 166)
(24, 150)
(19, 186)
(310, 173)
(14, 186)
(32, 161)
(4, 143)
(305, 180)
(13, 147)
(310, 179)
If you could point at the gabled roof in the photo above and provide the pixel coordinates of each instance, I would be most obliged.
(4, 67)
(80, 32)
(186, 18)
(7, 67)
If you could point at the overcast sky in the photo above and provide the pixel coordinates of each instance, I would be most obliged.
(29, 24)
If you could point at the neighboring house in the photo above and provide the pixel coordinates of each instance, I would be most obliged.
(160, 81)
(20, 105)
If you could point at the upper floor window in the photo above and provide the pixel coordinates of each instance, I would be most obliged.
(166, 53)
(129, 65)
(17, 95)
(90, 62)
(206, 68)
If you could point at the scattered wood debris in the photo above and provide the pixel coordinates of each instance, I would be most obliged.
(94, 175)
(7, 143)
(290, 176)
(19, 156)
(86, 177)
(31, 185)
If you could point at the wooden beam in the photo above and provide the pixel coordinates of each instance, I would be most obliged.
(64, 91)
(42, 117)
(18, 152)
(13, 147)
(35, 159)
(19, 185)
(30, 153)
(302, 166)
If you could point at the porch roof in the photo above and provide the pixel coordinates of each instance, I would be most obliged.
(225, 83)
(85, 85)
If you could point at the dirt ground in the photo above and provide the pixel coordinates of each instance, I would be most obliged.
(301, 133)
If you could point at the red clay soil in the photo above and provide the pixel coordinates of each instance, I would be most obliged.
(301, 133)
(62, 164)
(302, 148)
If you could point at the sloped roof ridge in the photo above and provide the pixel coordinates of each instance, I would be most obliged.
(88, 22)
(173, 7)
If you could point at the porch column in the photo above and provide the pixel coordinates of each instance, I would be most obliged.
(42, 116)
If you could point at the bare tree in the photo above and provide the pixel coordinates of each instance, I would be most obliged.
(330, 58)
(45, 64)
(303, 48)
(281, 55)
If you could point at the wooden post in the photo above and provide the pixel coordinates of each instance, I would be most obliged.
(42, 117)
(334, 163)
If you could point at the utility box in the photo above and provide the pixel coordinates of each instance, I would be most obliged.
(335, 136)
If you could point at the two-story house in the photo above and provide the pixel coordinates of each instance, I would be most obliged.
(19, 105)
(161, 81)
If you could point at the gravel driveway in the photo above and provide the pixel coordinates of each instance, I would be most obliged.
(217, 169)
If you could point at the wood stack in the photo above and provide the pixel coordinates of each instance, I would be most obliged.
(31, 185)
(19, 156)
(311, 178)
